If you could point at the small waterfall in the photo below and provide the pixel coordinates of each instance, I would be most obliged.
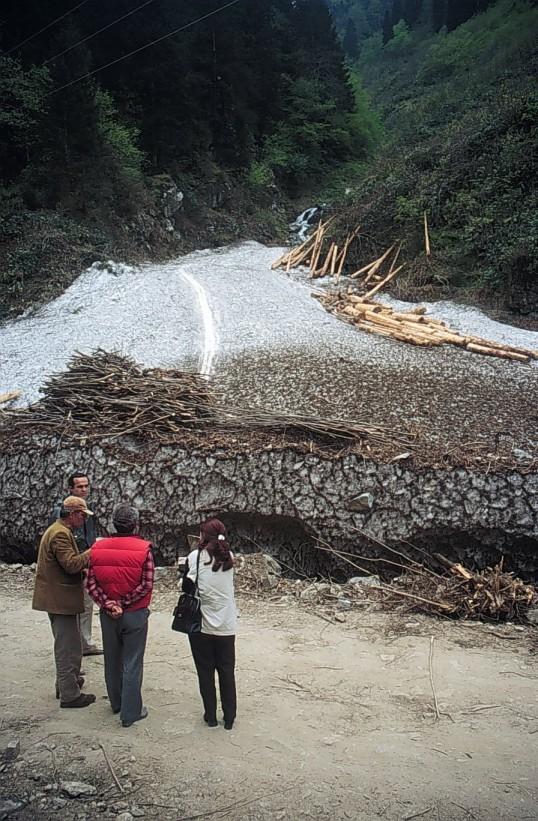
(305, 221)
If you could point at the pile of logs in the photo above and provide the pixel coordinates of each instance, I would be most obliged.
(412, 326)
(358, 307)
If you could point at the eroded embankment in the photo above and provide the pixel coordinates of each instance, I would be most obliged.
(278, 500)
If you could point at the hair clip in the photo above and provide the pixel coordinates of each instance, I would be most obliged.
(221, 538)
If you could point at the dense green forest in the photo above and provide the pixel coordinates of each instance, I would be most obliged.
(384, 108)
(454, 85)
(94, 123)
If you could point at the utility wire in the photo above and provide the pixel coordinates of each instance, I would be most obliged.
(104, 28)
(31, 37)
(142, 48)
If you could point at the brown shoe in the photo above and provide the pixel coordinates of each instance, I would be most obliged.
(83, 700)
(80, 682)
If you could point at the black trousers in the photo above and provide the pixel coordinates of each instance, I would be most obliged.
(210, 654)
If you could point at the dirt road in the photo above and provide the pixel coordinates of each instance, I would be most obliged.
(336, 721)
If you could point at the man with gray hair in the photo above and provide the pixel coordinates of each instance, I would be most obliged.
(120, 581)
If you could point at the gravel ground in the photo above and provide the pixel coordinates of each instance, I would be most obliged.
(269, 343)
(336, 719)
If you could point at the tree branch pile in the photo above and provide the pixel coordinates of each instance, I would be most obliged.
(491, 594)
(103, 396)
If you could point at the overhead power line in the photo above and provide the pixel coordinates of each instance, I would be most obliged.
(48, 26)
(142, 48)
(95, 33)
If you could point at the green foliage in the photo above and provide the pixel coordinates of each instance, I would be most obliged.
(22, 94)
(461, 115)
(365, 118)
(401, 38)
(120, 139)
(260, 174)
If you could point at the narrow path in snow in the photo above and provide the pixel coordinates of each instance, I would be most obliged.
(209, 339)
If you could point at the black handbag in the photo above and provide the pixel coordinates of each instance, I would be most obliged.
(187, 612)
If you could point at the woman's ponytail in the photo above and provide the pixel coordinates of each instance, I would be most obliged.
(213, 539)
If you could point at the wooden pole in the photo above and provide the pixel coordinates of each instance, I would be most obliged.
(383, 282)
(377, 264)
(426, 235)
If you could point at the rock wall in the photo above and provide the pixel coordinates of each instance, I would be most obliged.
(278, 501)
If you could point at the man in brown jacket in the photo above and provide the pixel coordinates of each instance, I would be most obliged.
(58, 591)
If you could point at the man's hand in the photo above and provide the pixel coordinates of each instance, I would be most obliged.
(113, 609)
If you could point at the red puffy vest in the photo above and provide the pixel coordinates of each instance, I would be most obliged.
(117, 562)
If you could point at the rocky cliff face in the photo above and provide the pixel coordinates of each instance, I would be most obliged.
(280, 501)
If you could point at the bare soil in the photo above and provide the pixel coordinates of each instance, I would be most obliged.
(337, 720)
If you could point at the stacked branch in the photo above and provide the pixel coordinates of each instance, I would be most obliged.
(110, 395)
(105, 396)
(490, 594)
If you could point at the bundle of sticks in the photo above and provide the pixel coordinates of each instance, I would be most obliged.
(111, 395)
(322, 256)
(104, 395)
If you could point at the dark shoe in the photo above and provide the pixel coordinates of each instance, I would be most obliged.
(84, 700)
(228, 725)
(116, 711)
(80, 682)
(142, 715)
(211, 723)
(92, 651)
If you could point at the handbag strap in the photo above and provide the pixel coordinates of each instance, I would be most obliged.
(197, 568)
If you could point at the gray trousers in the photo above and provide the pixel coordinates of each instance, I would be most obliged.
(85, 623)
(67, 654)
(124, 643)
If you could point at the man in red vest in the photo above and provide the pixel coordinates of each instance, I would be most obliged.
(120, 581)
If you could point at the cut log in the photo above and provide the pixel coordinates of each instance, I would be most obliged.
(502, 347)
(278, 262)
(377, 265)
(518, 357)
(9, 396)
(333, 259)
(324, 268)
(315, 257)
(379, 285)
(415, 318)
(453, 566)
(394, 261)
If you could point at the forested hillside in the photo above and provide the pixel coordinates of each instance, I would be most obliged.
(454, 85)
(95, 125)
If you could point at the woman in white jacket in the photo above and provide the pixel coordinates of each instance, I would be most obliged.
(213, 649)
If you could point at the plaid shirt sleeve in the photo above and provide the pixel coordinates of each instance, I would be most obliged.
(145, 586)
(95, 590)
